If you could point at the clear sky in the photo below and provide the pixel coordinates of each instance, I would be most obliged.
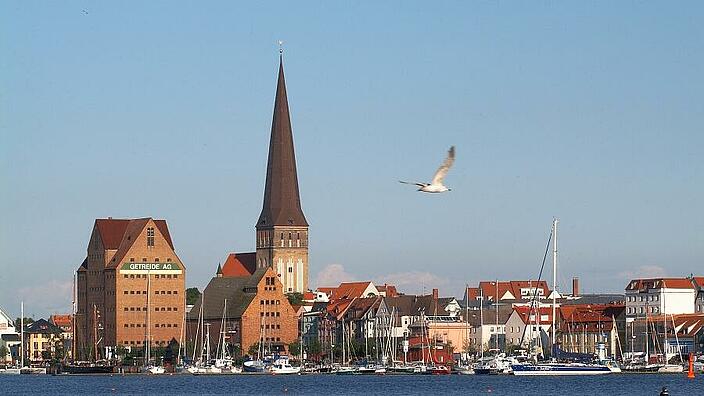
(589, 111)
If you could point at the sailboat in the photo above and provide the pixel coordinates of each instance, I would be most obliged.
(257, 365)
(223, 361)
(668, 368)
(553, 367)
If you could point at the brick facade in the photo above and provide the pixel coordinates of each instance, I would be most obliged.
(137, 288)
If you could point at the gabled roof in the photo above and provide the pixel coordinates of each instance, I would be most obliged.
(239, 264)
(589, 317)
(112, 231)
(42, 326)
(488, 315)
(409, 305)
(131, 233)
(525, 313)
(506, 290)
(659, 283)
(239, 292)
(388, 290)
(360, 306)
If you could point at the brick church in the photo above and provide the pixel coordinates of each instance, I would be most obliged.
(250, 288)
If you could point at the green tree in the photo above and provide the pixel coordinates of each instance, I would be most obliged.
(27, 321)
(314, 349)
(294, 348)
(192, 295)
(295, 298)
(253, 349)
(3, 352)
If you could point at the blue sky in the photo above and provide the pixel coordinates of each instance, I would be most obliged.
(589, 111)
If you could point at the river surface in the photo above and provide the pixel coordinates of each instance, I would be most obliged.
(624, 384)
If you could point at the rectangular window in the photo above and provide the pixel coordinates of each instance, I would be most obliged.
(150, 236)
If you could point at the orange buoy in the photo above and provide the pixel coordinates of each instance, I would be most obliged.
(690, 373)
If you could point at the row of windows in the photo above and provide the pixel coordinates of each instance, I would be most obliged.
(157, 325)
(633, 310)
(156, 276)
(643, 298)
(273, 314)
(269, 302)
(272, 339)
(272, 327)
(140, 309)
(264, 239)
(155, 292)
(156, 259)
(140, 342)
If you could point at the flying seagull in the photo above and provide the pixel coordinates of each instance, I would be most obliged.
(436, 185)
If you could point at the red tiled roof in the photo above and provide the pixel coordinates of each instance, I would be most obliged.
(111, 231)
(327, 290)
(699, 281)
(390, 290)
(659, 283)
(589, 317)
(130, 234)
(60, 320)
(239, 264)
(526, 312)
(492, 289)
(308, 296)
(351, 290)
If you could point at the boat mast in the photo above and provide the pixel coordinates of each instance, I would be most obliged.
(22, 332)
(149, 324)
(554, 281)
(73, 320)
(481, 321)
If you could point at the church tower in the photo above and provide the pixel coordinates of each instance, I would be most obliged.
(282, 229)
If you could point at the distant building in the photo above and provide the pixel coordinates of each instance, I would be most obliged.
(43, 341)
(65, 323)
(131, 288)
(656, 296)
(699, 301)
(282, 228)
(509, 290)
(525, 324)
(583, 326)
(257, 312)
(9, 338)
(488, 328)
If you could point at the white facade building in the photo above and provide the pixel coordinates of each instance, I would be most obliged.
(670, 296)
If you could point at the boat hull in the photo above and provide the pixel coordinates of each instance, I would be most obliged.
(557, 369)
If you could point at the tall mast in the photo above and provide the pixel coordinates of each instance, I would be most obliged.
(22, 332)
(481, 321)
(554, 279)
(149, 324)
(73, 319)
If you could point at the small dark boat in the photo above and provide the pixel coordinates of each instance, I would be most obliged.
(90, 368)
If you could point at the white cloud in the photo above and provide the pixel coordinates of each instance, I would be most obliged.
(645, 271)
(333, 275)
(414, 282)
(43, 299)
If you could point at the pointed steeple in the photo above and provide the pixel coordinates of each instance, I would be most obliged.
(218, 273)
(282, 202)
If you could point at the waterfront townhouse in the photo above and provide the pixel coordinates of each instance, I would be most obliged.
(43, 342)
(9, 339)
(525, 326)
(583, 326)
(656, 296)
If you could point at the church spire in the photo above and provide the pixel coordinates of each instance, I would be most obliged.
(282, 202)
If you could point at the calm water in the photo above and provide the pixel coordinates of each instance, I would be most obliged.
(625, 384)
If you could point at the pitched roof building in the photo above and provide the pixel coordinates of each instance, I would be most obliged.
(255, 309)
(126, 261)
(282, 228)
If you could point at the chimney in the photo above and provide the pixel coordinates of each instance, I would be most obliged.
(435, 294)
(575, 287)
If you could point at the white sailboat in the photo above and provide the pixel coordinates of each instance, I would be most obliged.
(553, 367)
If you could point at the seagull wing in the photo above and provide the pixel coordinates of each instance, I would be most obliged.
(442, 170)
(417, 184)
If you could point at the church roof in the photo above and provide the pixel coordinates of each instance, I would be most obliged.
(239, 292)
(282, 202)
(239, 264)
